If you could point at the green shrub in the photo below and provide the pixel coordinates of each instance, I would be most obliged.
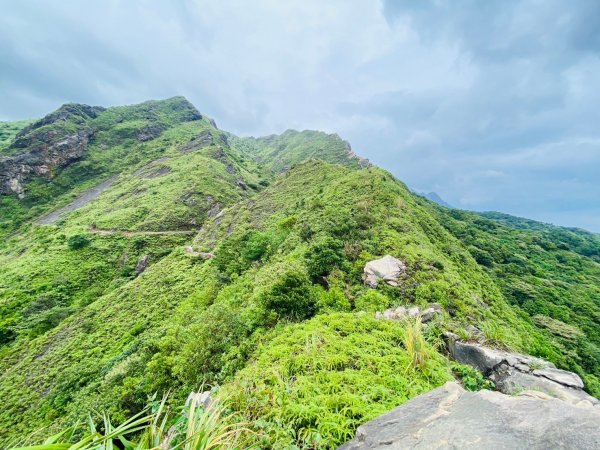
(371, 301)
(333, 299)
(292, 296)
(323, 255)
(472, 379)
(78, 241)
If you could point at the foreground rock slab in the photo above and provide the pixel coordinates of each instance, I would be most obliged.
(452, 418)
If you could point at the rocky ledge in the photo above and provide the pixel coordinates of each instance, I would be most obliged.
(513, 373)
(453, 418)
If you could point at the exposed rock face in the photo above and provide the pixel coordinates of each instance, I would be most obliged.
(402, 312)
(189, 250)
(513, 372)
(150, 132)
(48, 147)
(388, 269)
(452, 418)
(46, 156)
(198, 142)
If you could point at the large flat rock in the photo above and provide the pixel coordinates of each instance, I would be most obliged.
(452, 418)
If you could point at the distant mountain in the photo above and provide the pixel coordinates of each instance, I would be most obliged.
(434, 197)
(144, 251)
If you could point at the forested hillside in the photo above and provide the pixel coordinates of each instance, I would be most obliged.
(210, 261)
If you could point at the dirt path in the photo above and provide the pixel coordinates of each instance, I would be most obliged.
(79, 202)
(104, 232)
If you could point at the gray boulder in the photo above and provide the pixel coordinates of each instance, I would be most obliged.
(513, 372)
(203, 399)
(485, 359)
(512, 381)
(387, 269)
(452, 418)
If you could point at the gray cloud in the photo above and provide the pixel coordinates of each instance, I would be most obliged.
(491, 104)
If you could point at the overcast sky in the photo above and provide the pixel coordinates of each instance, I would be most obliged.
(492, 104)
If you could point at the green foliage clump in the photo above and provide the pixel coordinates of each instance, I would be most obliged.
(372, 301)
(314, 383)
(471, 379)
(324, 255)
(78, 241)
(197, 427)
(332, 299)
(291, 297)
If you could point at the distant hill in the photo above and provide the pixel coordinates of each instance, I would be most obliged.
(434, 197)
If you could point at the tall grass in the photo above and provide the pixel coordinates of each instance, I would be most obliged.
(196, 428)
(415, 344)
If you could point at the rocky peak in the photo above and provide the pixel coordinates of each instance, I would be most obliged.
(73, 112)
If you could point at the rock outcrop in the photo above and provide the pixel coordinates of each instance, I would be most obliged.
(42, 160)
(47, 144)
(150, 132)
(402, 312)
(452, 418)
(203, 399)
(198, 142)
(387, 269)
(513, 373)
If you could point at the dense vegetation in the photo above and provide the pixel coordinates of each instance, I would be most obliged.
(278, 322)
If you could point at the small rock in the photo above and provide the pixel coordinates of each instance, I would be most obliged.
(203, 399)
(449, 336)
(435, 309)
(190, 251)
(142, 264)
(400, 311)
(414, 311)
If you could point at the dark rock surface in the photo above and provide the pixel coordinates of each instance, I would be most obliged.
(142, 264)
(48, 153)
(452, 418)
(198, 142)
(150, 132)
(50, 144)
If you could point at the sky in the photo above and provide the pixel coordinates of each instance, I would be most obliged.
(491, 104)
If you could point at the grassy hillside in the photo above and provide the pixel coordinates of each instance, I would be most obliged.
(280, 152)
(8, 131)
(551, 273)
(255, 249)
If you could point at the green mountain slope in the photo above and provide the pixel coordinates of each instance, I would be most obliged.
(217, 261)
(280, 152)
(551, 273)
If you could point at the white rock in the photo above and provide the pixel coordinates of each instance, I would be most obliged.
(388, 269)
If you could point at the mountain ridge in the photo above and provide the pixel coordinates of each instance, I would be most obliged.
(112, 302)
